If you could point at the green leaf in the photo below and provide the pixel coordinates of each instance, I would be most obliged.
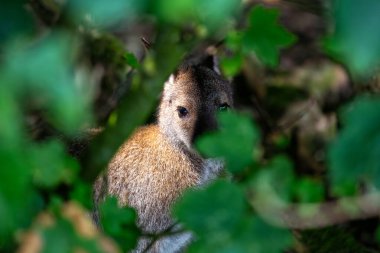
(52, 165)
(231, 65)
(234, 141)
(355, 39)
(62, 238)
(213, 14)
(43, 72)
(82, 193)
(234, 40)
(354, 155)
(252, 235)
(206, 211)
(18, 203)
(309, 190)
(265, 36)
(218, 216)
(259, 237)
(11, 129)
(131, 60)
(15, 20)
(119, 223)
(280, 172)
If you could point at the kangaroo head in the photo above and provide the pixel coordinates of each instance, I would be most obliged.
(192, 96)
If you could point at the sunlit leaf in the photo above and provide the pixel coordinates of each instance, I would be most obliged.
(265, 36)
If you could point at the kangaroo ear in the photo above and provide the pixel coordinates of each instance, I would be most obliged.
(168, 87)
(211, 62)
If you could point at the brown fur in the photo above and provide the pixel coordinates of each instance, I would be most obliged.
(153, 168)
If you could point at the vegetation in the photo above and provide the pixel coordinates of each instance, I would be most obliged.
(302, 148)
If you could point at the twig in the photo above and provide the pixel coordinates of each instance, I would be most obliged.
(146, 43)
(165, 233)
(293, 121)
(277, 212)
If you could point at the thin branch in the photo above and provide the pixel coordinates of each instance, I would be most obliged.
(278, 212)
(165, 233)
(294, 120)
(146, 43)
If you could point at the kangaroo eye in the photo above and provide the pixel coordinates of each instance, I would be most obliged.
(223, 107)
(182, 111)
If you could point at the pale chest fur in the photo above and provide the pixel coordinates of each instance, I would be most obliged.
(149, 174)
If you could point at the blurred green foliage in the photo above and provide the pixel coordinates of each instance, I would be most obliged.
(14, 20)
(190, 12)
(101, 13)
(232, 127)
(355, 39)
(38, 76)
(360, 163)
(279, 172)
(264, 36)
(220, 219)
(119, 223)
(309, 190)
(44, 71)
(63, 238)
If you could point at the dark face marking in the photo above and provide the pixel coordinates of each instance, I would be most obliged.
(192, 98)
(216, 95)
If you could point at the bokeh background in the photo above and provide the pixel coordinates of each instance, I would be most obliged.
(302, 146)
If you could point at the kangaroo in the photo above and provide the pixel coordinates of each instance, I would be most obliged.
(158, 163)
